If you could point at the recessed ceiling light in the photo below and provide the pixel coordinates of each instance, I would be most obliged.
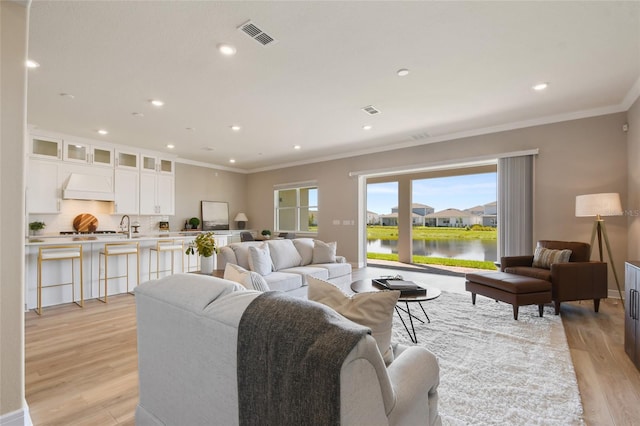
(170, 146)
(367, 127)
(103, 132)
(137, 114)
(232, 160)
(402, 72)
(235, 128)
(32, 64)
(226, 49)
(67, 95)
(78, 146)
(190, 129)
(540, 86)
(156, 102)
(297, 147)
(208, 148)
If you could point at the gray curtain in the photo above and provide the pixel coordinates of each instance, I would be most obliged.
(515, 206)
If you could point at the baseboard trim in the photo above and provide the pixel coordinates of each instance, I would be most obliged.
(613, 294)
(17, 418)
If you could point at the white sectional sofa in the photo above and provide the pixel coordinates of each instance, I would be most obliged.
(289, 262)
(188, 334)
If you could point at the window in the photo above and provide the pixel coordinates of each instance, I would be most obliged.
(297, 209)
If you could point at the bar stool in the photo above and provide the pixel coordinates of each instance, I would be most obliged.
(60, 252)
(117, 249)
(164, 246)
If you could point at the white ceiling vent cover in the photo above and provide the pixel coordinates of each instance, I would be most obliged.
(256, 33)
(371, 110)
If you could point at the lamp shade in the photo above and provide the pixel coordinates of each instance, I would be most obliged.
(605, 204)
(241, 217)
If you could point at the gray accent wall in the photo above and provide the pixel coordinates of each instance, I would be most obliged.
(575, 157)
(196, 183)
(633, 182)
(13, 85)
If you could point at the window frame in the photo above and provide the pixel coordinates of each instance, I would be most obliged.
(297, 208)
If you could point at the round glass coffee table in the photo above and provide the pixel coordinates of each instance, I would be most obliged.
(364, 286)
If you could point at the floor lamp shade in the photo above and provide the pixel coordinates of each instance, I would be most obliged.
(242, 219)
(604, 204)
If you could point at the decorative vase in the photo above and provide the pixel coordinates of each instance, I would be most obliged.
(207, 264)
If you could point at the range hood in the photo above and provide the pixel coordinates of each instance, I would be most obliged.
(88, 187)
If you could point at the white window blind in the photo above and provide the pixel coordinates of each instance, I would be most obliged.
(515, 206)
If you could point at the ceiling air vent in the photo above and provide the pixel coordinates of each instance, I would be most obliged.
(256, 33)
(371, 110)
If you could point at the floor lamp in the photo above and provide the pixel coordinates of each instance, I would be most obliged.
(599, 205)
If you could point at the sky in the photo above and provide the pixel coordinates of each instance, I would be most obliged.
(458, 192)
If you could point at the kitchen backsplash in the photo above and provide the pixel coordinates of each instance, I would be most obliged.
(102, 210)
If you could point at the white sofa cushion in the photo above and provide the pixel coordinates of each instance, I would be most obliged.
(305, 248)
(283, 254)
(260, 260)
(283, 281)
(324, 252)
(313, 271)
(241, 250)
(251, 280)
(373, 309)
(335, 269)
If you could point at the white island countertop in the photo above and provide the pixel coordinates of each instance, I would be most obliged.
(52, 239)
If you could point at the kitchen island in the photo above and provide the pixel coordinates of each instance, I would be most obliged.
(60, 272)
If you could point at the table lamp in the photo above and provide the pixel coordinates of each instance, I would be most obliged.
(599, 205)
(241, 219)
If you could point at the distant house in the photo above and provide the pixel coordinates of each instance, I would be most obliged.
(452, 218)
(419, 211)
(487, 213)
(373, 218)
(391, 219)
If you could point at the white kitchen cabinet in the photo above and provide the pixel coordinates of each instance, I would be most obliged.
(126, 191)
(127, 160)
(150, 163)
(43, 191)
(157, 194)
(83, 153)
(46, 147)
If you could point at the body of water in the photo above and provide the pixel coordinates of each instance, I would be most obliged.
(455, 249)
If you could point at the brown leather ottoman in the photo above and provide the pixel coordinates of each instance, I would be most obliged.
(517, 290)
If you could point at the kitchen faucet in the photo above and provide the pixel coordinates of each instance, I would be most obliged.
(128, 225)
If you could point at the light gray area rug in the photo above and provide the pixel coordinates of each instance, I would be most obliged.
(494, 370)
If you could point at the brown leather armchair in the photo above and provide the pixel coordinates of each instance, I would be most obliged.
(579, 279)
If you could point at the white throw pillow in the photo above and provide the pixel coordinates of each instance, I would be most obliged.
(249, 279)
(324, 252)
(283, 254)
(259, 259)
(372, 309)
(305, 248)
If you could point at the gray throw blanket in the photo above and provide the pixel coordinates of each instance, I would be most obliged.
(290, 352)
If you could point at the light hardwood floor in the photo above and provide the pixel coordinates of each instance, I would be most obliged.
(81, 364)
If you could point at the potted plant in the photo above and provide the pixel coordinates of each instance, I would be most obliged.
(36, 227)
(266, 233)
(205, 245)
(194, 222)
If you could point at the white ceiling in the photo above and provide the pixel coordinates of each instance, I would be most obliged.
(472, 67)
